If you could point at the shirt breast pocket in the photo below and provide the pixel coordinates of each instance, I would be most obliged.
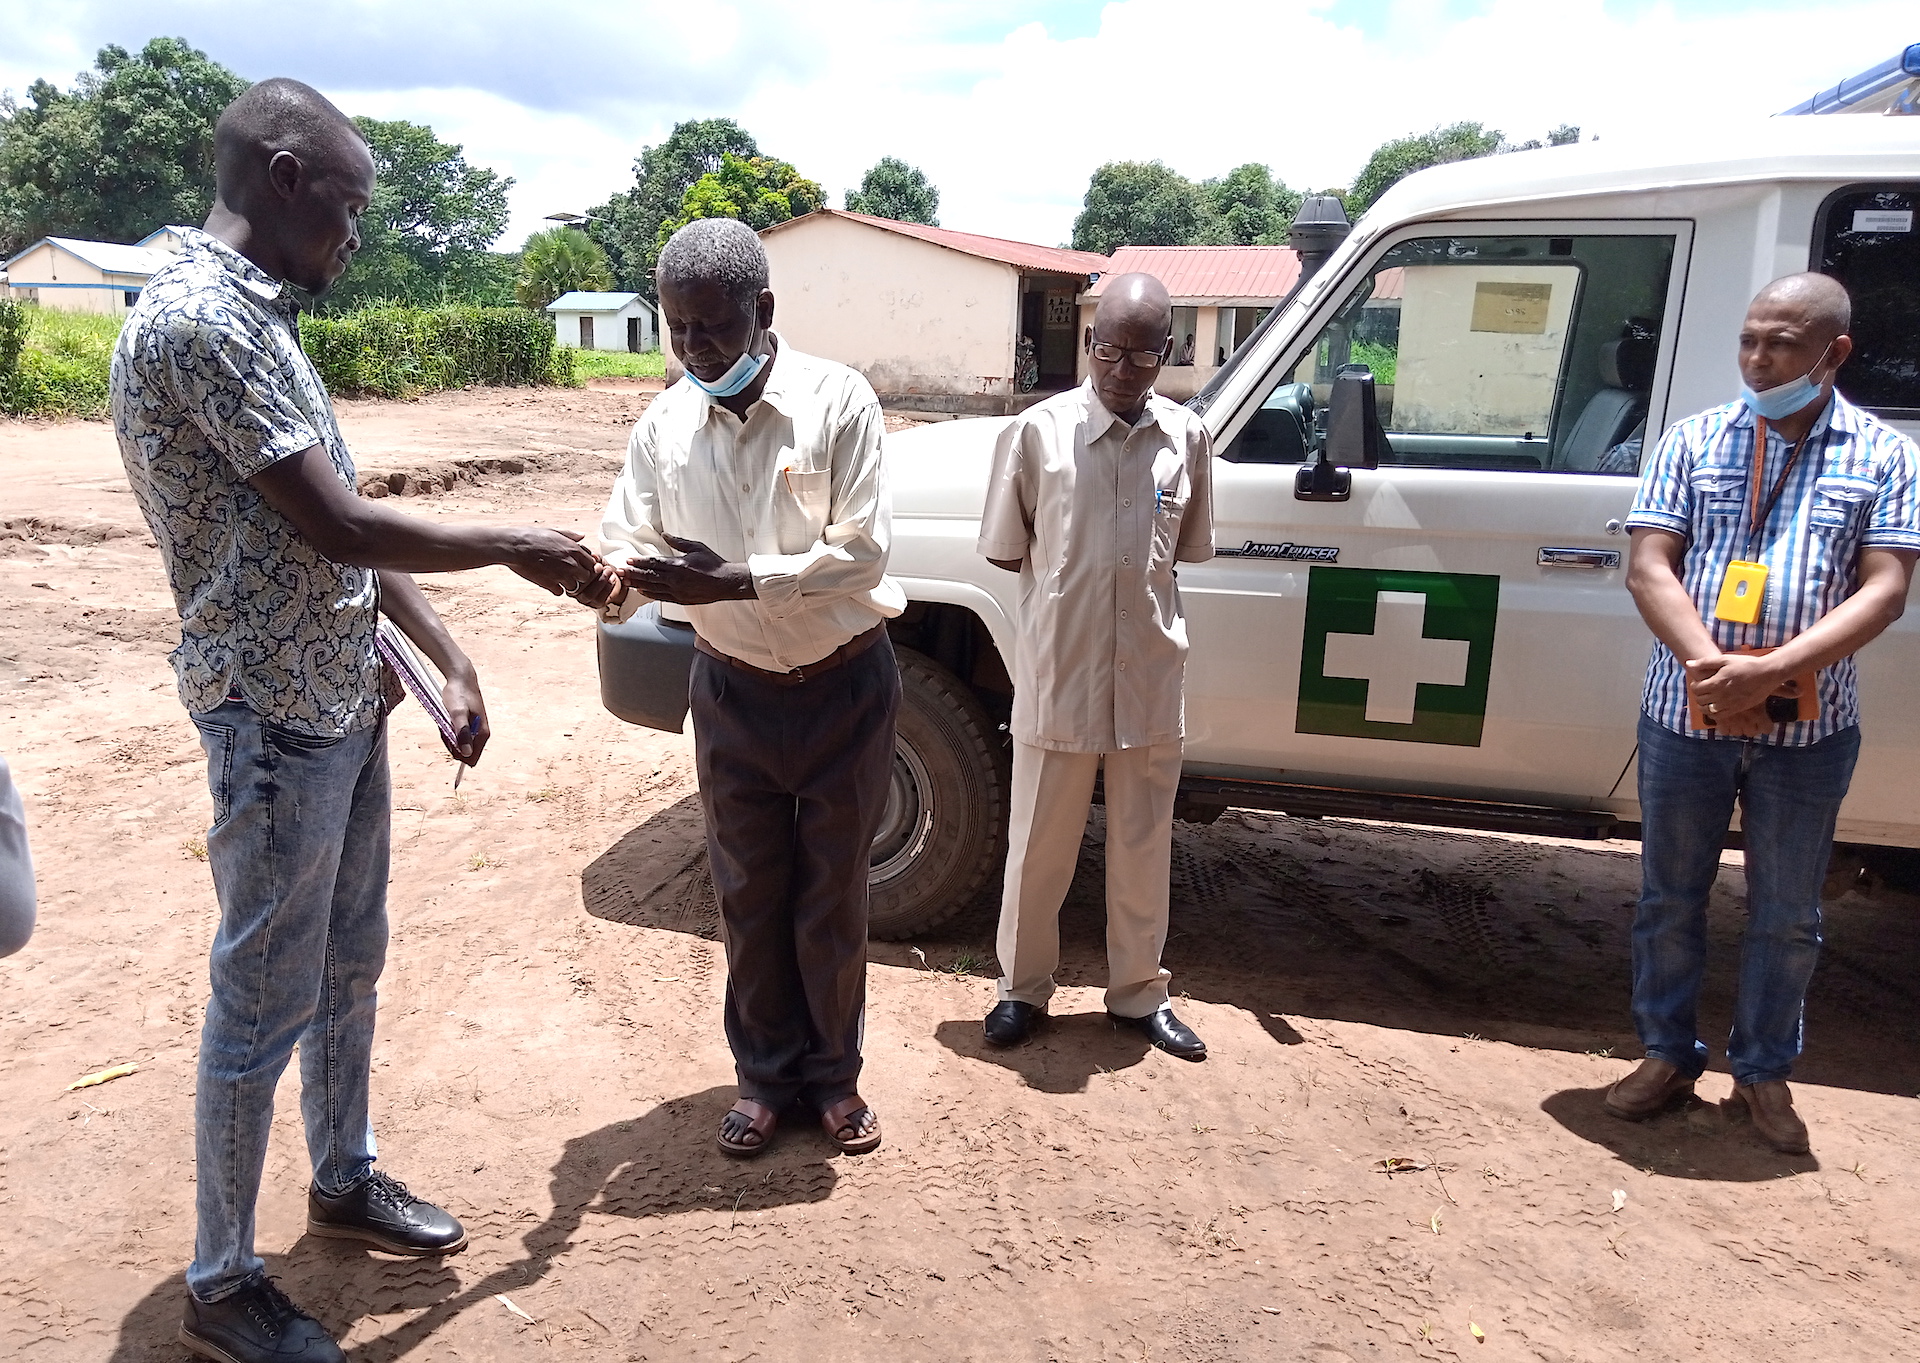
(1167, 511)
(1719, 491)
(1838, 500)
(801, 501)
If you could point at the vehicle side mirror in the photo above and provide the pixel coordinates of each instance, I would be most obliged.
(1354, 437)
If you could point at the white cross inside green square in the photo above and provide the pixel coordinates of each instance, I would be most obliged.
(1397, 655)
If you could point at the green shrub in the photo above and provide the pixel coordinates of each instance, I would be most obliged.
(54, 363)
(399, 351)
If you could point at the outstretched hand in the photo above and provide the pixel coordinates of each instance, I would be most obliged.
(554, 559)
(698, 577)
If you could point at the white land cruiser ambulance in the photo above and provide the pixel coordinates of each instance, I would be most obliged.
(1445, 638)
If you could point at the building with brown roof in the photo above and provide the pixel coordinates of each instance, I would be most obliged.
(933, 317)
(1220, 293)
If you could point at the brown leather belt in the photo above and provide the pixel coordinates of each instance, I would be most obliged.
(847, 652)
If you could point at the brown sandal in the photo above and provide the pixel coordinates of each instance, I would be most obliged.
(840, 1118)
(761, 1119)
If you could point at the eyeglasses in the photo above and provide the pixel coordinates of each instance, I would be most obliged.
(1140, 359)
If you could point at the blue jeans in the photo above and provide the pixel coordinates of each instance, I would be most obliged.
(1789, 799)
(299, 849)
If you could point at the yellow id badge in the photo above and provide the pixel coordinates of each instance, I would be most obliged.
(1741, 592)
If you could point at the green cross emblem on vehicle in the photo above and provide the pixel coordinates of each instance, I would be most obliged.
(1399, 655)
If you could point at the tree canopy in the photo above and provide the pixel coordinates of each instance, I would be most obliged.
(424, 238)
(894, 189)
(758, 190)
(628, 224)
(1143, 203)
(559, 261)
(1251, 206)
(1139, 203)
(128, 149)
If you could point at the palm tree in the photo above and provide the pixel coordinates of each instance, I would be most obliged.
(559, 261)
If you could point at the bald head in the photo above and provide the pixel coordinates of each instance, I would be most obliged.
(1134, 318)
(1131, 298)
(1818, 302)
(1796, 328)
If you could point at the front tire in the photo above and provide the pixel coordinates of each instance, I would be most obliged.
(945, 827)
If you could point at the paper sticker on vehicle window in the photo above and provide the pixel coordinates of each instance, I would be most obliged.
(1883, 219)
(1397, 655)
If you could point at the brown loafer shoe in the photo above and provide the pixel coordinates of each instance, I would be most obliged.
(1653, 1087)
(1770, 1104)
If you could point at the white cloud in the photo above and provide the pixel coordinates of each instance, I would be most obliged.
(1008, 107)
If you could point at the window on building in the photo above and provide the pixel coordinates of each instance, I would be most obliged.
(130, 297)
(26, 295)
(1492, 352)
(1868, 238)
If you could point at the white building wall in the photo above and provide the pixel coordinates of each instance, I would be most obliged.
(68, 283)
(915, 318)
(609, 328)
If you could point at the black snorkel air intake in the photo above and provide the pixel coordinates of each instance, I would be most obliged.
(1318, 229)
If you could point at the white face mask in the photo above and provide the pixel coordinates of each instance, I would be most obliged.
(1787, 398)
(741, 373)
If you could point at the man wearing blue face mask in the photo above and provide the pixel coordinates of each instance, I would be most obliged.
(754, 497)
(1773, 538)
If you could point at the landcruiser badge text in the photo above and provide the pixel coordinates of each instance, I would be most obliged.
(1295, 553)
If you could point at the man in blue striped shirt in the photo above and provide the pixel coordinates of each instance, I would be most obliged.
(1797, 498)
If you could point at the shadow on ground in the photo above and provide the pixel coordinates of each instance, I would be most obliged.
(658, 1164)
(1693, 1139)
(1418, 929)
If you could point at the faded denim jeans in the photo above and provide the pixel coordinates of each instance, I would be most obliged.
(1789, 801)
(298, 848)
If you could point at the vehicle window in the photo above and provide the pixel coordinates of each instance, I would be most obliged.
(1867, 238)
(1524, 353)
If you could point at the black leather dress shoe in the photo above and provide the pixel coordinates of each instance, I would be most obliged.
(1012, 1022)
(1167, 1032)
(255, 1324)
(381, 1212)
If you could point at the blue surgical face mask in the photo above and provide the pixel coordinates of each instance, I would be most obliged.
(743, 372)
(1788, 398)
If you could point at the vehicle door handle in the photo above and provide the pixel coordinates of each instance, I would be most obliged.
(1579, 558)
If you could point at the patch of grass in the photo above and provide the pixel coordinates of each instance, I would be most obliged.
(54, 363)
(618, 364)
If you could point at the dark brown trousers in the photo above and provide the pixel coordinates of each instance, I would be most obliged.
(794, 781)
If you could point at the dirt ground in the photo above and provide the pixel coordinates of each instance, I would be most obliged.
(550, 1063)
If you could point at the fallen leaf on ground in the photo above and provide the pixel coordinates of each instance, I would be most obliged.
(1397, 1165)
(1271, 1310)
(505, 1301)
(1434, 1220)
(1478, 1333)
(1619, 1198)
(102, 1076)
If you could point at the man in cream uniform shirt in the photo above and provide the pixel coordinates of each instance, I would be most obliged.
(755, 497)
(1095, 495)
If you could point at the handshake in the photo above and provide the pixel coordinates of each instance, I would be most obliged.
(560, 562)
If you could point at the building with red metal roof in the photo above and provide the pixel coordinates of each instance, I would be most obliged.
(937, 320)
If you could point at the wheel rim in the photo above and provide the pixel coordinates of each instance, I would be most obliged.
(906, 825)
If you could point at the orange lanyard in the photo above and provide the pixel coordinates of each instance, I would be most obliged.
(1759, 518)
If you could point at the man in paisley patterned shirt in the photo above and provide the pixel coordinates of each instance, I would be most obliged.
(280, 570)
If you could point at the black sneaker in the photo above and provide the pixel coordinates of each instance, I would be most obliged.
(381, 1212)
(257, 1323)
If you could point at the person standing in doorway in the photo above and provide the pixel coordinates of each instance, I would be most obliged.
(280, 571)
(1095, 495)
(754, 496)
(1773, 538)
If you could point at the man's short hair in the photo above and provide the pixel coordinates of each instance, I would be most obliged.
(723, 251)
(1822, 298)
(274, 116)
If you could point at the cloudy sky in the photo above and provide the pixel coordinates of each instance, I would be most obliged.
(1007, 106)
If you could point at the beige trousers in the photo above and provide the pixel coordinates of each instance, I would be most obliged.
(1052, 792)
